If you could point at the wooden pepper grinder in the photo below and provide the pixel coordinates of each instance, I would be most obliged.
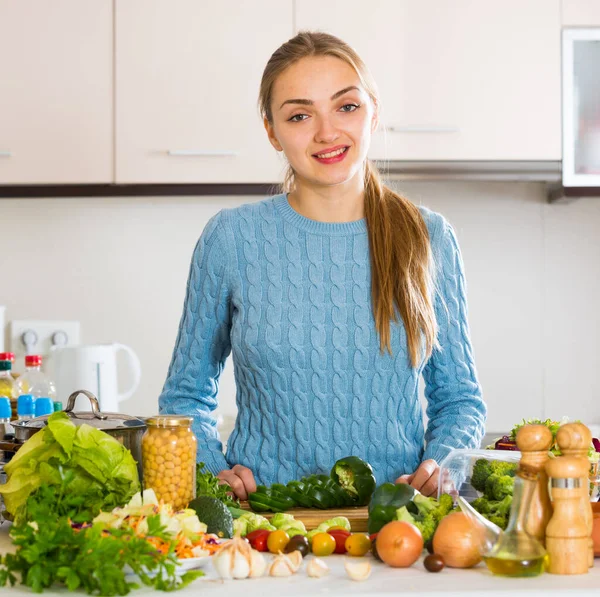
(534, 441)
(567, 538)
(574, 439)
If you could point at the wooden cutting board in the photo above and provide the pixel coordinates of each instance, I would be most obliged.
(313, 517)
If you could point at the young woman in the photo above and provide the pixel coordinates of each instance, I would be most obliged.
(333, 297)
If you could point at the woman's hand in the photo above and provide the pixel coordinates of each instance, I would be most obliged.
(424, 479)
(240, 479)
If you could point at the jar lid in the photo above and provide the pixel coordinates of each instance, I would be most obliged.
(95, 418)
(33, 360)
(7, 356)
(169, 421)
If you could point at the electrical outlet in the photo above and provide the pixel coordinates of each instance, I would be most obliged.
(27, 336)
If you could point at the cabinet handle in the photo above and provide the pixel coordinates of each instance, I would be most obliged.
(201, 153)
(423, 129)
(5, 153)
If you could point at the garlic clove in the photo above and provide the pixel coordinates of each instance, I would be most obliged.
(280, 568)
(258, 564)
(358, 570)
(295, 559)
(316, 568)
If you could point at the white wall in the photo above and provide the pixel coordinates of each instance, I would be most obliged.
(119, 265)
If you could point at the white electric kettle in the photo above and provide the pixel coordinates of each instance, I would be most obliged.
(93, 368)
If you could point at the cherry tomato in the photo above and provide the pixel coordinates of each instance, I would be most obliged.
(340, 537)
(323, 544)
(358, 544)
(277, 541)
(258, 539)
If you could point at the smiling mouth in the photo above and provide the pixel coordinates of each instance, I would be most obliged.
(331, 154)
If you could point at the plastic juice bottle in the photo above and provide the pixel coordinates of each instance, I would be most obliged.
(10, 356)
(43, 406)
(6, 429)
(34, 381)
(8, 386)
(25, 407)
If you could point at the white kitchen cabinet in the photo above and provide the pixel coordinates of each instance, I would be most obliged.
(55, 91)
(459, 80)
(187, 82)
(581, 13)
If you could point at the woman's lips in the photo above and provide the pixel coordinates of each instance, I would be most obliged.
(334, 159)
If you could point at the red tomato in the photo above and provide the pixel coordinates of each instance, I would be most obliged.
(340, 536)
(258, 539)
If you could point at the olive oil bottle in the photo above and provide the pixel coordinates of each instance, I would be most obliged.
(517, 553)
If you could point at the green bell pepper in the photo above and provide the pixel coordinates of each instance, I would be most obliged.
(386, 499)
(356, 478)
(265, 500)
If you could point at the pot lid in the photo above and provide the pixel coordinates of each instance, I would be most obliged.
(95, 418)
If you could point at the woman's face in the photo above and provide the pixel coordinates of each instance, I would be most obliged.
(322, 120)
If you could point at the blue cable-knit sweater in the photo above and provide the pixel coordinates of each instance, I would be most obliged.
(290, 298)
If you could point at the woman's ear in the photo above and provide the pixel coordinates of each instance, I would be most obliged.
(271, 134)
(375, 117)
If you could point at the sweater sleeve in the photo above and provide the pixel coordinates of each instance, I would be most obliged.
(455, 407)
(203, 344)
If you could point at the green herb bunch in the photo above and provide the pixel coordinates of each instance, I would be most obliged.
(209, 484)
(51, 549)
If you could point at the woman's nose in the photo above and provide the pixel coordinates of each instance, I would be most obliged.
(326, 131)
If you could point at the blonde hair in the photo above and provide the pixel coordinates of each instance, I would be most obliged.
(399, 247)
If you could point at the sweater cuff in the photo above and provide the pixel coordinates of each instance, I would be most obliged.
(436, 452)
(213, 461)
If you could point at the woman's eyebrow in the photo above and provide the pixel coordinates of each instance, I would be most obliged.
(307, 102)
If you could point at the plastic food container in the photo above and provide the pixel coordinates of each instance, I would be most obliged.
(169, 459)
(457, 467)
(456, 470)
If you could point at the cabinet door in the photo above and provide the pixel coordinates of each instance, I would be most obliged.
(187, 76)
(55, 91)
(459, 80)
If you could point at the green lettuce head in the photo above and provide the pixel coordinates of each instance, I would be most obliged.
(99, 463)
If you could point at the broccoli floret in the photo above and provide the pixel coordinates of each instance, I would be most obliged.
(430, 512)
(496, 511)
(497, 487)
(481, 471)
(503, 468)
(426, 524)
(482, 505)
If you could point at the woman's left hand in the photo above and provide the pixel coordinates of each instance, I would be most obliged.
(424, 479)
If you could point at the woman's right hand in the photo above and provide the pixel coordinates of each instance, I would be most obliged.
(240, 479)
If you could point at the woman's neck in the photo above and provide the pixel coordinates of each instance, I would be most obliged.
(339, 203)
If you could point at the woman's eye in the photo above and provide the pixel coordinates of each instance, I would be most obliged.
(349, 107)
(297, 118)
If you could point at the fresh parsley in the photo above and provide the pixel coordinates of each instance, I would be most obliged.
(52, 550)
(209, 484)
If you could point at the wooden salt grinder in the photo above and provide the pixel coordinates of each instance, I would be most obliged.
(574, 439)
(566, 534)
(534, 441)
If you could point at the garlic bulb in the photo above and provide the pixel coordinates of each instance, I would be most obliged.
(282, 565)
(236, 559)
(358, 570)
(317, 568)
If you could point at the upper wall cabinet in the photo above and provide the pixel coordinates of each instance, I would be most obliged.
(187, 82)
(581, 13)
(55, 91)
(458, 80)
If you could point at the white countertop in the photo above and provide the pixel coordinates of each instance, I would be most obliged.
(384, 580)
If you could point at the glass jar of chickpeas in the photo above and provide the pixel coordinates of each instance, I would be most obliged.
(169, 459)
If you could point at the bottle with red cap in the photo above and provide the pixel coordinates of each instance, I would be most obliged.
(10, 356)
(34, 381)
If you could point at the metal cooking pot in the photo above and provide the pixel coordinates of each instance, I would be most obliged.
(125, 428)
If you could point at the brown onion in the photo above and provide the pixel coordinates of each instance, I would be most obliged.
(458, 541)
(399, 544)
